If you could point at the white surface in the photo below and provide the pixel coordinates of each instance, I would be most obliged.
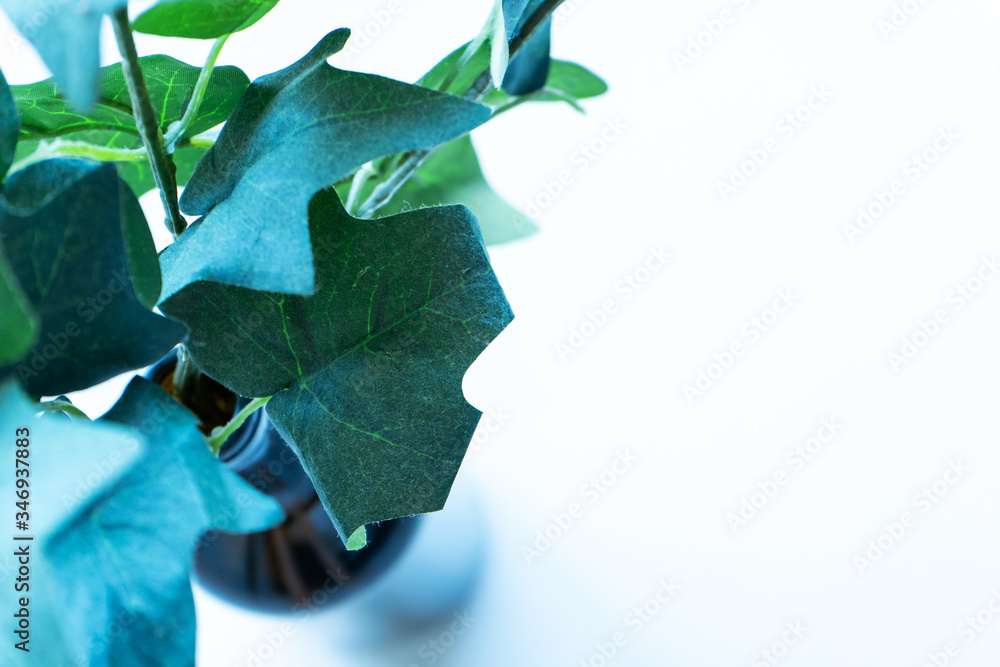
(656, 185)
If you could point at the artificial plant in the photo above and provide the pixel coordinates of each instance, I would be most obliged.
(332, 277)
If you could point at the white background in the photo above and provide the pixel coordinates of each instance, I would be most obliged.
(566, 417)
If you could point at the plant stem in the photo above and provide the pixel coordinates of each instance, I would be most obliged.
(222, 433)
(146, 123)
(412, 161)
(179, 127)
(63, 148)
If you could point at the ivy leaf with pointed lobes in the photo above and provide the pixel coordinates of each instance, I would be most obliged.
(69, 465)
(366, 373)
(121, 562)
(294, 133)
(452, 175)
(78, 242)
(47, 116)
(201, 19)
(66, 34)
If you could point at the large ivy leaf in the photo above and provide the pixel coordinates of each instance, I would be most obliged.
(452, 175)
(367, 373)
(295, 132)
(201, 19)
(78, 243)
(69, 465)
(65, 33)
(46, 115)
(121, 560)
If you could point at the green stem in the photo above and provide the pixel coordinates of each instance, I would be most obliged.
(62, 148)
(179, 127)
(222, 433)
(147, 124)
(357, 185)
(412, 161)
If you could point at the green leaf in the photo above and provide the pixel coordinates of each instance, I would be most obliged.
(66, 34)
(499, 48)
(295, 132)
(77, 241)
(9, 126)
(575, 80)
(367, 373)
(358, 539)
(452, 175)
(46, 114)
(121, 560)
(201, 19)
(529, 69)
(18, 321)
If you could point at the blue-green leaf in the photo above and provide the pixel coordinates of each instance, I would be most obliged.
(65, 33)
(529, 69)
(201, 19)
(295, 132)
(120, 559)
(367, 373)
(77, 241)
(452, 175)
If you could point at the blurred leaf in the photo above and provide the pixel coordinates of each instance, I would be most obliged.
(452, 175)
(66, 34)
(294, 133)
(367, 373)
(201, 19)
(77, 241)
(9, 127)
(46, 115)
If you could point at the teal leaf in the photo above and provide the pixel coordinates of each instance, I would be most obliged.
(18, 321)
(46, 115)
(529, 69)
(120, 561)
(367, 372)
(65, 33)
(201, 19)
(452, 175)
(9, 127)
(77, 241)
(70, 465)
(294, 133)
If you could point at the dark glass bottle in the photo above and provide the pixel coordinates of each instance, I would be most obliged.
(302, 563)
